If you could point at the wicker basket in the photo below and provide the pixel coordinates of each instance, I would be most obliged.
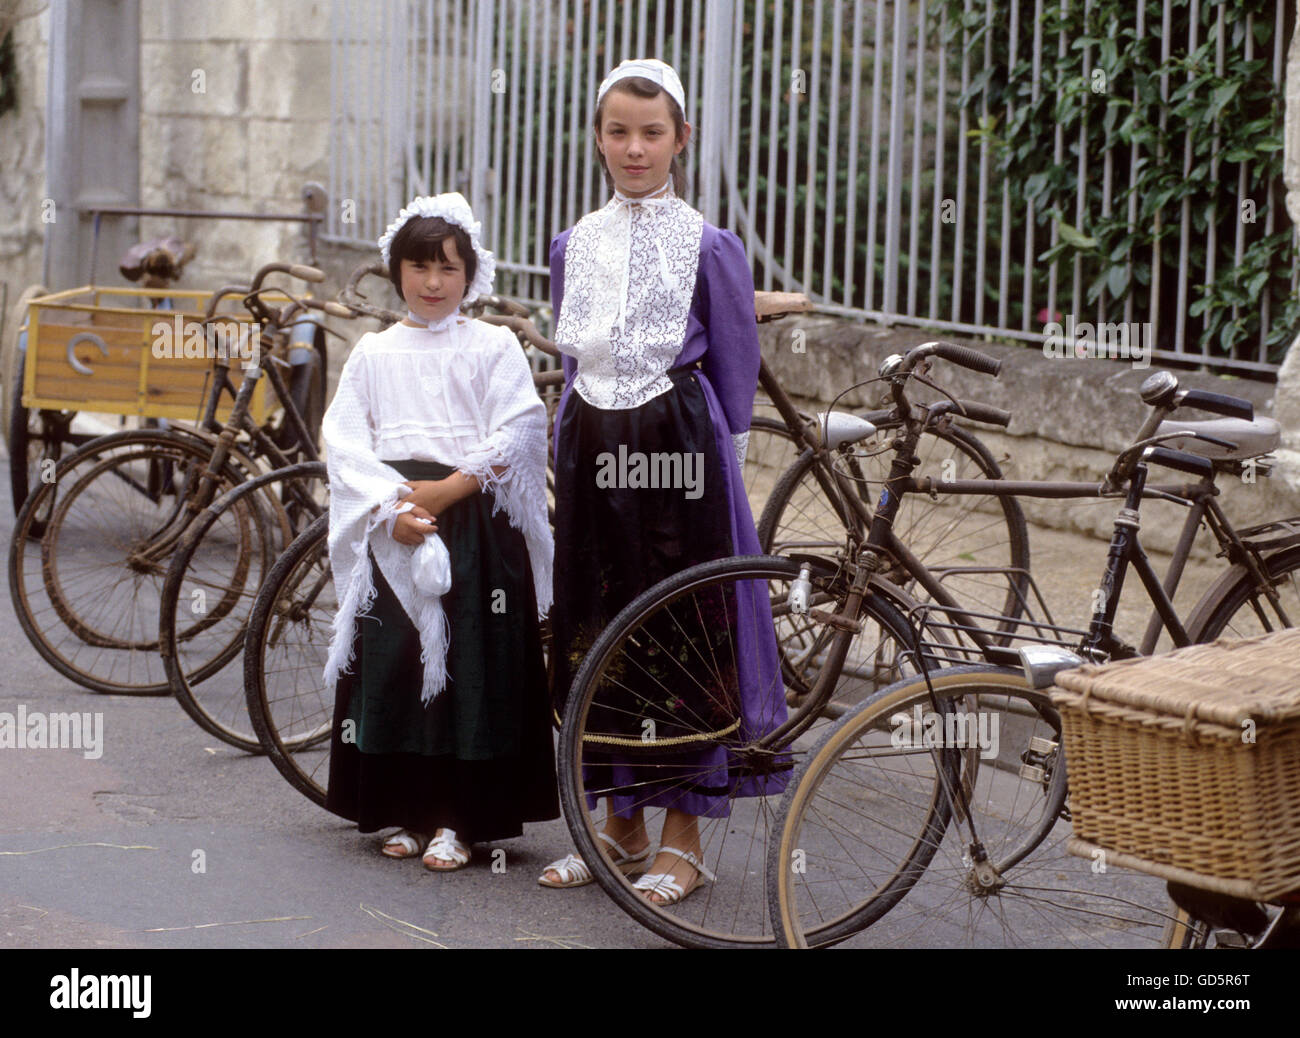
(1187, 766)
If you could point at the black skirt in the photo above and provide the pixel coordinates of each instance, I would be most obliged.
(615, 534)
(479, 759)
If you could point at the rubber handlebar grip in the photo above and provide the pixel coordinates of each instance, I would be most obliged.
(986, 413)
(1193, 464)
(306, 273)
(1218, 403)
(968, 358)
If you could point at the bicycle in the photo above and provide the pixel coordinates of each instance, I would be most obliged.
(845, 617)
(137, 492)
(966, 851)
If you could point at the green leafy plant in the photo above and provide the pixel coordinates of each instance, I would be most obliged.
(1182, 133)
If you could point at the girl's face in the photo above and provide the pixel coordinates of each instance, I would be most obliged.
(637, 138)
(434, 288)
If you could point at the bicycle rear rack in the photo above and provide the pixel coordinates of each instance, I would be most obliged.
(1281, 533)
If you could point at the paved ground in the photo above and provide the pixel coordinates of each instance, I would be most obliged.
(170, 839)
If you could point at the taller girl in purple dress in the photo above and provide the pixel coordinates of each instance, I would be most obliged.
(655, 314)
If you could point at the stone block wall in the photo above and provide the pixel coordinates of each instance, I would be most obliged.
(22, 149)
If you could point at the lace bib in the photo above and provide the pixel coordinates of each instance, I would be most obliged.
(629, 278)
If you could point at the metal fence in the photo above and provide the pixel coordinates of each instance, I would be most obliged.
(830, 135)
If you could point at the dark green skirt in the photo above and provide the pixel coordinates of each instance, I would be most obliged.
(478, 759)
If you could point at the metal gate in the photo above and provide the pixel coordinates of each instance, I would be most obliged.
(829, 134)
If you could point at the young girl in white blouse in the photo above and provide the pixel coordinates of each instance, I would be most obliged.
(441, 556)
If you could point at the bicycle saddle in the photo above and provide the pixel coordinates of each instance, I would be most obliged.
(159, 261)
(1253, 438)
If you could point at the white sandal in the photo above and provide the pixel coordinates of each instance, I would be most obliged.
(446, 848)
(573, 871)
(665, 884)
(406, 842)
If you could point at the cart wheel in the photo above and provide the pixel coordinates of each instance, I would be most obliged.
(12, 347)
(32, 437)
(36, 441)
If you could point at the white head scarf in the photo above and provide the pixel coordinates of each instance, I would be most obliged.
(647, 68)
(453, 208)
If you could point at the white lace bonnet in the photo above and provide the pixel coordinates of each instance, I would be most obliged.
(453, 208)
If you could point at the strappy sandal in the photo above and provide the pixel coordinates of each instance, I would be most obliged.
(446, 848)
(665, 883)
(403, 844)
(573, 871)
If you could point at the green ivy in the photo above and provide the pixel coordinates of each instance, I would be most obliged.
(1192, 141)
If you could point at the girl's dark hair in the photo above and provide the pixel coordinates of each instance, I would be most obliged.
(420, 240)
(639, 86)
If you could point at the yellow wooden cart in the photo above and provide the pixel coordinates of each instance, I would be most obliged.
(122, 354)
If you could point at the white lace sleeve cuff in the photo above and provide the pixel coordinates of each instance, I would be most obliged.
(740, 441)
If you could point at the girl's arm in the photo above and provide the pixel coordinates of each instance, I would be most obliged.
(732, 359)
(355, 472)
(436, 495)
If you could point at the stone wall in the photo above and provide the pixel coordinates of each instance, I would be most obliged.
(234, 116)
(1070, 417)
(22, 150)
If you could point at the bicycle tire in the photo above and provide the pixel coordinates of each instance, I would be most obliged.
(798, 517)
(90, 631)
(1233, 607)
(307, 394)
(293, 723)
(841, 812)
(731, 911)
(197, 571)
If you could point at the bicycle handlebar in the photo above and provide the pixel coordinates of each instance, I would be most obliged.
(1216, 403)
(985, 413)
(963, 356)
(1193, 464)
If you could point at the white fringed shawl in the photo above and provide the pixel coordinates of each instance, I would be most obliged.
(460, 393)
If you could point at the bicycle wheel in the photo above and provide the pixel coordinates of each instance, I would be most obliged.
(206, 605)
(877, 849)
(654, 719)
(87, 593)
(1236, 608)
(285, 649)
(978, 546)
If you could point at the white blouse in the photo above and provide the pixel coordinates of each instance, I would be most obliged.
(426, 393)
(460, 393)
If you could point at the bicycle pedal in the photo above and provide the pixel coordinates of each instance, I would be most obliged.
(1038, 744)
(1032, 772)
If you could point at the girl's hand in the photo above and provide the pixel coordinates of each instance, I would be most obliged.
(409, 530)
(437, 495)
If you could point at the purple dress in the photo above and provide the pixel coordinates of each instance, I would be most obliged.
(613, 542)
